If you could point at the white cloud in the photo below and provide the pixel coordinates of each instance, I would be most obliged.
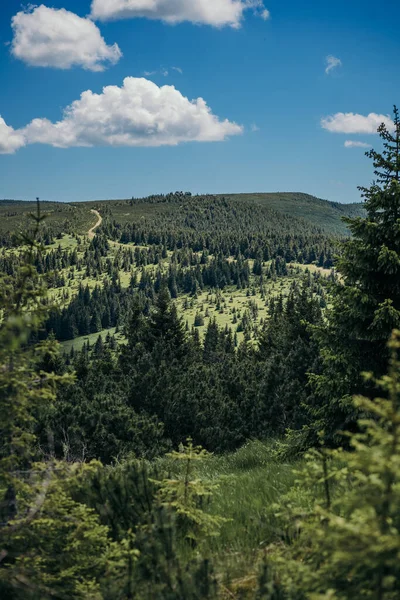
(332, 62)
(137, 114)
(265, 14)
(255, 128)
(162, 71)
(218, 13)
(46, 37)
(354, 123)
(352, 144)
(10, 140)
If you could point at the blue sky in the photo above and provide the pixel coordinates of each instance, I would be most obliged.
(267, 76)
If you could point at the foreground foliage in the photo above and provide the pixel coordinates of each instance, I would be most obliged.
(346, 527)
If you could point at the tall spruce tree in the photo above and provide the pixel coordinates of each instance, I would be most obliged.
(344, 540)
(366, 298)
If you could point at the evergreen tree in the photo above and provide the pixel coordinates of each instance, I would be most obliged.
(198, 320)
(344, 509)
(99, 346)
(164, 325)
(366, 298)
(185, 495)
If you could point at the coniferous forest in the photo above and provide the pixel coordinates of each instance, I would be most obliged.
(200, 396)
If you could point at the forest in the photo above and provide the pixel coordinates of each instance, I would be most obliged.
(200, 396)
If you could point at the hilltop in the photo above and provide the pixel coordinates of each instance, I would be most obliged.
(323, 214)
(75, 217)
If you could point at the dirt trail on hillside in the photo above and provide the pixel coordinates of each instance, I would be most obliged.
(91, 232)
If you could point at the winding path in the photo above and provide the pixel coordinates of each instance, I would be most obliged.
(91, 232)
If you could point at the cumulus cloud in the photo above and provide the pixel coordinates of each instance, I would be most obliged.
(137, 114)
(10, 140)
(355, 123)
(47, 37)
(332, 62)
(353, 144)
(218, 13)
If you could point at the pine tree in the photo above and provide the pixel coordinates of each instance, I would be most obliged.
(211, 342)
(99, 346)
(186, 494)
(345, 508)
(164, 324)
(198, 320)
(366, 299)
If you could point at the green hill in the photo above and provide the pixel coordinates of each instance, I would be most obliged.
(323, 213)
(76, 217)
(61, 217)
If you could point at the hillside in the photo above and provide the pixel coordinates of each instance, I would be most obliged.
(301, 209)
(322, 213)
(76, 218)
(60, 218)
(223, 258)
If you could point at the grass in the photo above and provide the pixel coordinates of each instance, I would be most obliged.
(67, 242)
(60, 217)
(78, 343)
(251, 481)
(314, 269)
(234, 301)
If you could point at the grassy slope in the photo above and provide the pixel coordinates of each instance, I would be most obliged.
(78, 343)
(231, 299)
(14, 216)
(250, 482)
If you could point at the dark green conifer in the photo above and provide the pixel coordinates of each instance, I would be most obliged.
(366, 299)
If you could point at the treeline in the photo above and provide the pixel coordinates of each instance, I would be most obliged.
(220, 226)
(90, 311)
